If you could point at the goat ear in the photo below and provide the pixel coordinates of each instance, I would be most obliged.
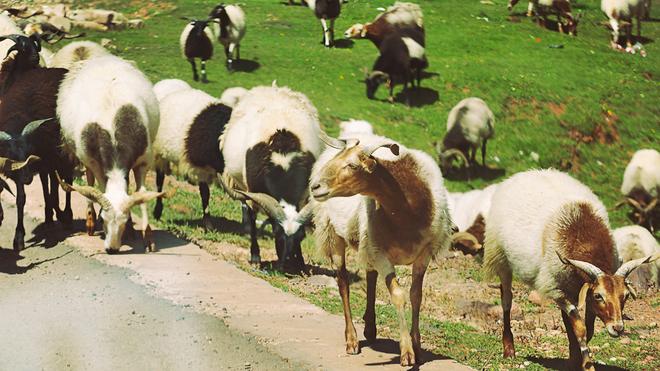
(582, 297)
(36, 40)
(369, 164)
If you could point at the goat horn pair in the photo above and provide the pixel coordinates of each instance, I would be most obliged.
(628, 267)
(8, 166)
(88, 192)
(455, 153)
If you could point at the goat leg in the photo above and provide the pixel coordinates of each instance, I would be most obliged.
(370, 310)
(48, 197)
(194, 68)
(160, 180)
(352, 344)
(19, 236)
(204, 79)
(255, 255)
(398, 299)
(576, 330)
(419, 270)
(205, 194)
(506, 297)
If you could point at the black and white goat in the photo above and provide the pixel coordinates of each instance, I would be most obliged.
(28, 95)
(109, 116)
(196, 41)
(230, 29)
(326, 11)
(269, 147)
(191, 122)
(401, 57)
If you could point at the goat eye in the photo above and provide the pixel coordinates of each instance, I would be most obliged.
(598, 297)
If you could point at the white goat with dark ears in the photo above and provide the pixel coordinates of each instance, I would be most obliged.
(552, 233)
(109, 116)
(388, 202)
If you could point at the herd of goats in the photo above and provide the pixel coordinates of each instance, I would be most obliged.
(265, 147)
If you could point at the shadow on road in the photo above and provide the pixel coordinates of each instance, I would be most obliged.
(562, 364)
(9, 262)
(390, 346)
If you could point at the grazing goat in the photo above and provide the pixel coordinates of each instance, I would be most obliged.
(398, 17)
(469, 126)
(561, 8)
(196, 41)
(641, 187)
(620, 13)
(552, 233)
(389, 203)
(231, 96)
(77, 51)
(28, 96)
(400, 57)
(269, 147)
(168, 86)
(469, 211)
(634, 242)
(326, 11)
(109, 116)
(191, 122)
(230, 30)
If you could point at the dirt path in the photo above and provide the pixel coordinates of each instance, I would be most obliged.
(186, 275)
(61, 310)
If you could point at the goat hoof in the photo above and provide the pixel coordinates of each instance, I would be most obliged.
(66, 218)
(207, 223)
(353, 347)
(255, 260)
(407, 358)
(370, 333)
(19, 244)
(509, 351)
(90, 223)
(148, 238)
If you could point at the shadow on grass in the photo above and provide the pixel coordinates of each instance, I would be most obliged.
(9, 260)
(296, 3)
(245, 65)
(344, 44)
(316, 270)
(390, 346)
(562, 364)
(474, 172)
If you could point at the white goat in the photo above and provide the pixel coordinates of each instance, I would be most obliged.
(552, 233)
(469, 125)
(230, 30)
(109, 117)
(168, 86)
(77, 51)
(641, 186)
(231, 96)
(469, 211)
(634, 242)
(351, 128)
(389, 203)
(621, 12)
(191, 122)
(269, 147)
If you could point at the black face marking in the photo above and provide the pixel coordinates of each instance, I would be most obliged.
(97, 144)
(130, 135)
(201, 143)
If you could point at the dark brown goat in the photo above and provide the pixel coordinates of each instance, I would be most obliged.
(30, 94)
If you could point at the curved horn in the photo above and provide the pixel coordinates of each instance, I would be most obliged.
(267, 203)
(138, 198)
(458, 236)
(305, 214)
(591, 270)
(370, 149)
(455, 153)
(88, 192)
(8, 165)
(651, 205)
(332, 142)
(627, 268)
(230, 191)
(33, 126)
(635, 204)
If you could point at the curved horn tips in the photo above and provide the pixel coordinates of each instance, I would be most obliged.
(394, 148)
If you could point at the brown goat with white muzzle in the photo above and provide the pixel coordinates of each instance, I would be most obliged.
(389, 203)
(552, 233)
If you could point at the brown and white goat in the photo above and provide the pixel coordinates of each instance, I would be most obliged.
(561, 8)
(389, 203)
(552, 233)
(398, 17)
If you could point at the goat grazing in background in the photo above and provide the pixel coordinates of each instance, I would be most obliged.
(77, 51)
(230, 30)
(621, 13)
(396, 18)
(389, 203)
(552, 233)
(641, 187)
(635, 242)
(327, 11)
(197, 42)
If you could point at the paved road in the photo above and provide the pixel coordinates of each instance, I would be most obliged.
(60, 310)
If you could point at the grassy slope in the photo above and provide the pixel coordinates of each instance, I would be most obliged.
(538, 95)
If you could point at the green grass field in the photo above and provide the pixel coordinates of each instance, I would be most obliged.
(583, 108)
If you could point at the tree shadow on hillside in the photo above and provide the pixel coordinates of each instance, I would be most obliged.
(245, 65)
(390, 346)
(474, 172)
(562, 364)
